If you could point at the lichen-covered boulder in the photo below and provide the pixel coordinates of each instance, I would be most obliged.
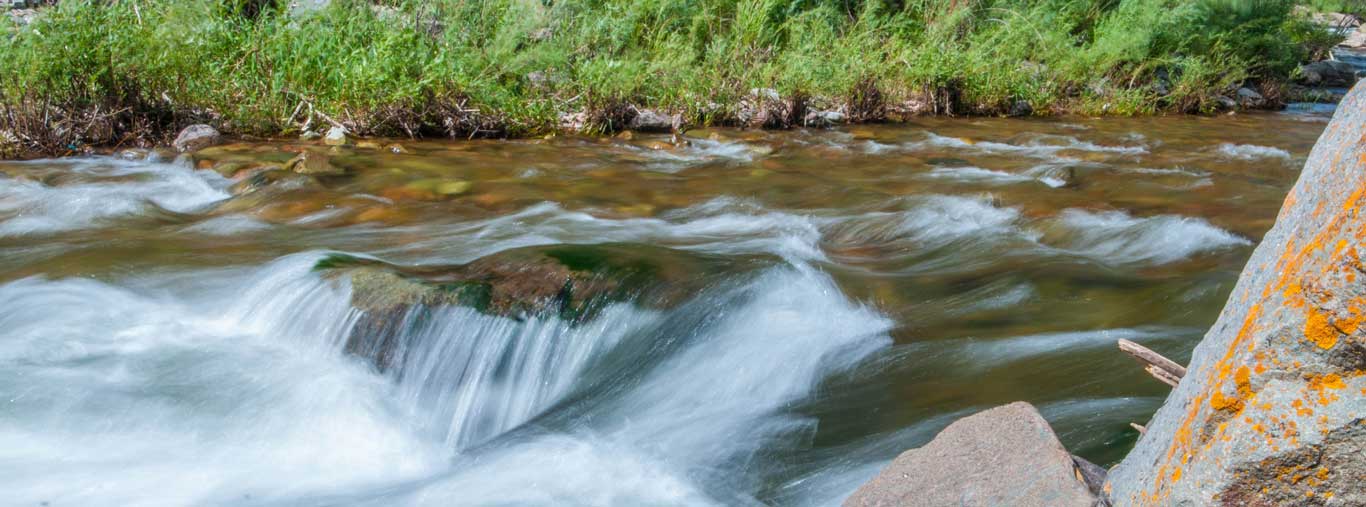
(1007, 455)
(1271, 409)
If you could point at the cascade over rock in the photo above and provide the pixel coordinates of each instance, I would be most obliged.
(571, 282)
(1271, 409)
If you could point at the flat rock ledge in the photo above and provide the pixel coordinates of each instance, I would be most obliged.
(1007, 455)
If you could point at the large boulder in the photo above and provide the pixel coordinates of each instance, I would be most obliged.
(1271, 409)
(1007, 455)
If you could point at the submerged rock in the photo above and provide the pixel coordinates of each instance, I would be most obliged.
(1272, 409)
(313, 163)
(1007, 455)
(196, 137)
(571, 282)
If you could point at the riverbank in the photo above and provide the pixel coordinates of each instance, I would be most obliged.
(133, 73)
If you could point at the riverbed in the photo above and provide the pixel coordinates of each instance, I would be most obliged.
(166, 340)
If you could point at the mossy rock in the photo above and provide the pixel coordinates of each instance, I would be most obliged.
(569, 281)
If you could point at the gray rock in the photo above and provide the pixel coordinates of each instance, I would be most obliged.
(1328, 73)
(1007, 455)
(1249, 98)
(1021, 108)
(310, 135)
(823, 118)
(1271, 409)
(196, 137)
(336, 136)
(649, 120)
(1226, 102)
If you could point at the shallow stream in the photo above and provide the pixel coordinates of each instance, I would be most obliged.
(165, 340)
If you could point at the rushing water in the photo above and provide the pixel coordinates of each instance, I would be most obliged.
(164, 339)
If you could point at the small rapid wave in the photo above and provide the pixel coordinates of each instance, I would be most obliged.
(699, 152)
(1044, 146)
(84, 193)
(1252, 152)
(972, 174)
(723, 225)
(1114, 237)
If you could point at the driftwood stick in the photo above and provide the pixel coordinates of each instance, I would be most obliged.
(1160, 374)
(1142, 430)
(1160, 367)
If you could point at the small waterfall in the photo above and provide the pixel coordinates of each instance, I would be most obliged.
(469, 377)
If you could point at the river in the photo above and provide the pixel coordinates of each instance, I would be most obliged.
(165, 340)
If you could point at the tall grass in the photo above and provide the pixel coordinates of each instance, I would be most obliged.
(130, 71)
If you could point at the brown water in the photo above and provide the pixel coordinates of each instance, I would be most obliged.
(159, 323)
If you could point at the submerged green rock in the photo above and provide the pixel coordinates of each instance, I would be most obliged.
(572, 282)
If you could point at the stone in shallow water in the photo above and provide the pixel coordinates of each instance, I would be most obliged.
(313, 163)
(196, 137)
(1007, 455)
(336, 136)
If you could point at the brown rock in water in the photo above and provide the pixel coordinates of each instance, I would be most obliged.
(1270, 411)
(313, 163)
(196, 137)
(1005, 456)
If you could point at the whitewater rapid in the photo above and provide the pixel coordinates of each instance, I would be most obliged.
(251, 399)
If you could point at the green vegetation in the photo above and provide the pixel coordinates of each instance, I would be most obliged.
(131, 71)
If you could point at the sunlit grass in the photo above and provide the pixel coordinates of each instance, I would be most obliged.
(512, 67)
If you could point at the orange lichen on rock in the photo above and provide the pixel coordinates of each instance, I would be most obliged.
(1318, 330)
(1322, 386)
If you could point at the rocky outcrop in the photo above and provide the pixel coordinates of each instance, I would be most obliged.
(1007, 455)
(1271, 409)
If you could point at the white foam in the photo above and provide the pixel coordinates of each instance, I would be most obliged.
(121, 397)
(1042, 146)
(977, 175)
(1252, 151)
(1176, 171)
(1114, 237)
(698, 152)
(102, 189)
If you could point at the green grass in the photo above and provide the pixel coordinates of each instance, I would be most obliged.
(98, 72)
